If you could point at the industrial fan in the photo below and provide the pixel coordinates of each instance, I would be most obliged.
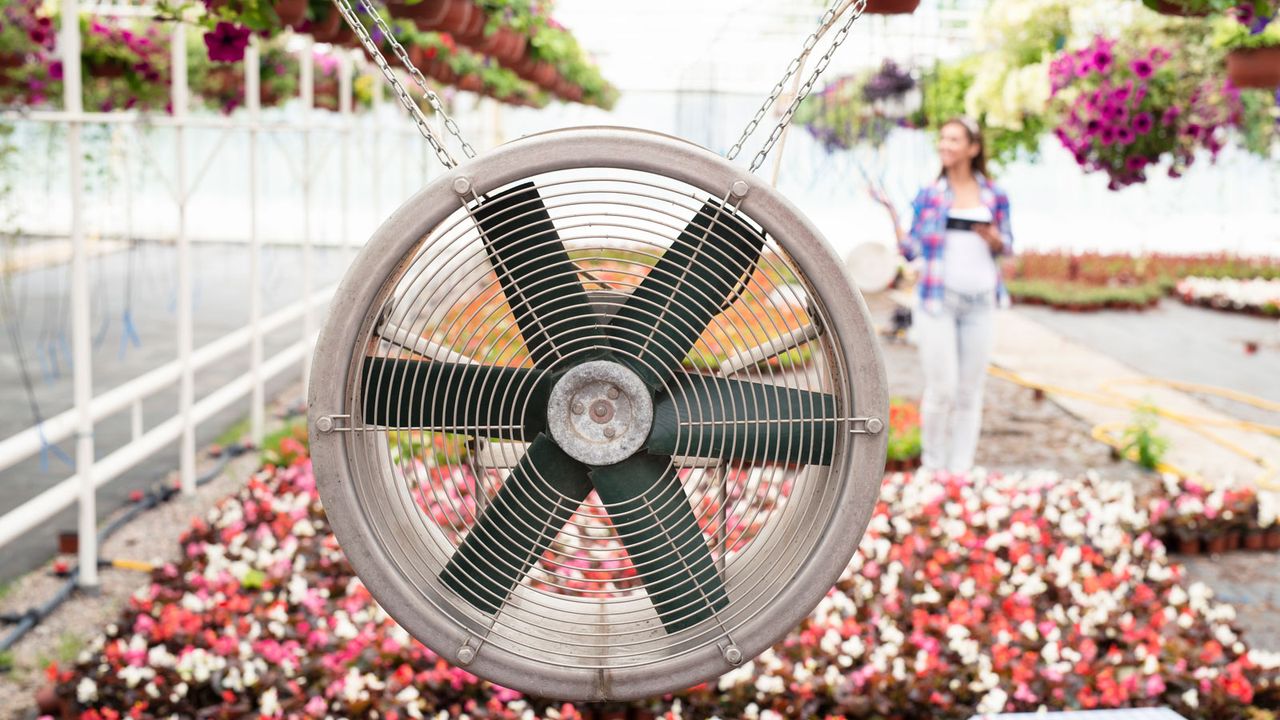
(598, 415)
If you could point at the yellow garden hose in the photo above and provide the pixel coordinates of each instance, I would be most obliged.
(1109, 432)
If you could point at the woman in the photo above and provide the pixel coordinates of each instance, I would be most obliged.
(960, 228)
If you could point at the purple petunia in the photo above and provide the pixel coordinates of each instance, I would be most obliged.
(1143, 123)
(227, 42)
(1125, 135)
(1142, 68)
(1108, 135)
(1170, 115)
(1102, 59)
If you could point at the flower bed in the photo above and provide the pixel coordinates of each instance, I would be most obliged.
(1079, 297)
(1252, 297)
(1098, 281)
(968, 594)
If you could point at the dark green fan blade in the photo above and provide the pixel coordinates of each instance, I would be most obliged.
(707, 416)
(688, 286)
(539, 280)
(482, 400)
(537, 499)
(651, 513)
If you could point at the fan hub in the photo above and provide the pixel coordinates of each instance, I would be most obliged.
(600, 412)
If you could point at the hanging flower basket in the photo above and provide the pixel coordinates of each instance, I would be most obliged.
(290, 12)
(451, 16)
(1167, 7)
(473, 32)
(441, 71)
(326, 30)
(525, 68)
(544, 74)
(470, 83)
(505, 46)
(891, 7)
(1254, 67)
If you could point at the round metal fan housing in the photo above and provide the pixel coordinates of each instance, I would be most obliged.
(598, 415)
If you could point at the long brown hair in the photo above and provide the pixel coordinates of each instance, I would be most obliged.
(974, 132)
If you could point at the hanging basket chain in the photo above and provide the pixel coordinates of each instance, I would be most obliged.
(415, 112)
(828, 19)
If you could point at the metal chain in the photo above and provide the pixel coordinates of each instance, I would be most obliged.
(828, 18)
(415, 112)
(416, 74)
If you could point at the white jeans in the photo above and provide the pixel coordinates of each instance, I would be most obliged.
(955, 345)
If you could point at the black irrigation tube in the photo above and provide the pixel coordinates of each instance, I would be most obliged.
(27, 621)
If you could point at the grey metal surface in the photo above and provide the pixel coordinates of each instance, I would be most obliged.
(546, 640)
(600, 412)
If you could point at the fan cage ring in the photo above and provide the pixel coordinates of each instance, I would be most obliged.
(581, 623)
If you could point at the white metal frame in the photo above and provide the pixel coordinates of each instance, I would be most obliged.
(90, 409)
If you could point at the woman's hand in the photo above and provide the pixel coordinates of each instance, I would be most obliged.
(988, 232)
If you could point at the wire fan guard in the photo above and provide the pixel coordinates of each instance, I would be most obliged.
(598, 415)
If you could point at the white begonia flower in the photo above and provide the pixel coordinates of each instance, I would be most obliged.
(268, 703)
(1191, 698)
(993, 702)
(86, 691)
(738, 676)
(770, 685)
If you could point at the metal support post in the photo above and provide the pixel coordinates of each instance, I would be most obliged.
(307, 80)
(253, 101)
(186, 320)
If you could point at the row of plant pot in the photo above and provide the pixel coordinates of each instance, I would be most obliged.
(468, 24)
(1256, 540)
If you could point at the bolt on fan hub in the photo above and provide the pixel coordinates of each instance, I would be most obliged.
(600, 413)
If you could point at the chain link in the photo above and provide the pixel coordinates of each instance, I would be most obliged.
(421, 81)
(415, 112)
(828, 18)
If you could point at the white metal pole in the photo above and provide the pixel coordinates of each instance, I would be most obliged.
(253, 100)
(81, 342)
(344, 158)
(186, 383)
(307, 80)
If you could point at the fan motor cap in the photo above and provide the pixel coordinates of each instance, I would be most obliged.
(600, 412)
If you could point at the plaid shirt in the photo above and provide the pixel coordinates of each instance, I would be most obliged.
(929, 229)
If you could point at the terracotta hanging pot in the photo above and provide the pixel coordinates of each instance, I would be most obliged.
(1167, 7)
(1254, 68)
(290, 12)
(473, 32)
(525, 67)
(9, 61)
(441, 71)
(426, 14)
(451, 16)
(470, 83)
(1189, 546)
(417, 57)
(505, 46)
(344, 35)
(545, 75)
(1254, 540)
(326, 29)
(891, 7)
(1273, 538)
(571, 92)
